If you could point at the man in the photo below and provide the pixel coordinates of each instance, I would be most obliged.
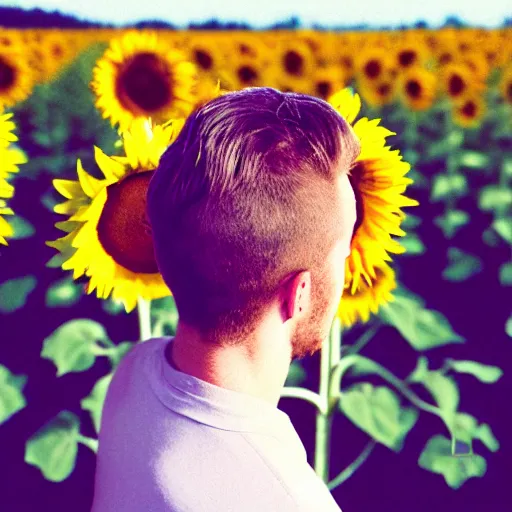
(252, 215)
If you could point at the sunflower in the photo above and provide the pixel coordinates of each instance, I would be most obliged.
(295, 62)
(244, 72)
(469, 111)
(372, 63)
(106, 238)
(139, 77)
(506, 85)
(380, 92)
(326, 81)
(457, 80)
(205, 54)
(418, 88)
(368, 298)
(378, 179)
(16, 76)
(410, 53)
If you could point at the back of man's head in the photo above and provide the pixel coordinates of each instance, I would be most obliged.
(245, 196)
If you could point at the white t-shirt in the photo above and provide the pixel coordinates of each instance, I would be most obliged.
(170, 442)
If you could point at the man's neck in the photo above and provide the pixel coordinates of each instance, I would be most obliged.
(259, 372)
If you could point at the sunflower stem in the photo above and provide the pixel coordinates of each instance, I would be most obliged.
(330, 355)
(352, 468)
(144, 312)
(363, 339)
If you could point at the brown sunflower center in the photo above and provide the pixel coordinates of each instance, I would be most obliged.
(7, 75)
(293, 63)
(445, 58)
(247, 74)
(347, 62)
(406, 58)
(203, 59)
(372, 68)
(413, 89)
(57, 51)
(144, 83)
(383, 90)
(469, 109)
(508, 90)
(122, 228)
(323, 88)
(456, 85)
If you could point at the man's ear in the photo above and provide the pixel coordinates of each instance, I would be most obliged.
(295, 295)
(299, 295)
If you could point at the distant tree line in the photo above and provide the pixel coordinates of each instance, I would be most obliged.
(16, 17)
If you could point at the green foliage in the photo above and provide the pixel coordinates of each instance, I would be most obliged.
(22, 228)
(94, 401)
(413, 244)
(448, 185)
(296, 374)
(53, 449)
(451, 222)
(437, 457)
(483, 372)
(14, 293)
(503, 226)
(423, 328)
(377, 411)
(63, 293)
(461, 265)
(11, 396)
(495, 198)
(73, 346)
(164, 317)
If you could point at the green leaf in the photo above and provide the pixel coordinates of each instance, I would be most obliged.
(474, 159)
(113, 307)
(377, 411)
(437, 457)
(411, 221)
(22, 227)
(94, 401)
(53, 448)
(11, 397)
(72, 347)
(64, 292)
(443, 389)
(451, 222)
(484, 433)
(508, 326)
(448, 185)
(462, 265)
(507, 166)
(497, 198)
(14, 293)
(506, 274)
(422, 328)
(164, 316)
(421, 370)
(117, 352)
(503, 227)
(483, 372)
(465, 428)
(490, 237)
(413, 244)
(296, 375)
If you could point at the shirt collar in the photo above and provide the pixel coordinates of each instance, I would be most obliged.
(210, 404)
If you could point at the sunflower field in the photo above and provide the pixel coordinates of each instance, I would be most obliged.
(420, 347)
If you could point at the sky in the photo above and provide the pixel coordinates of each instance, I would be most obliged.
(261, 13)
